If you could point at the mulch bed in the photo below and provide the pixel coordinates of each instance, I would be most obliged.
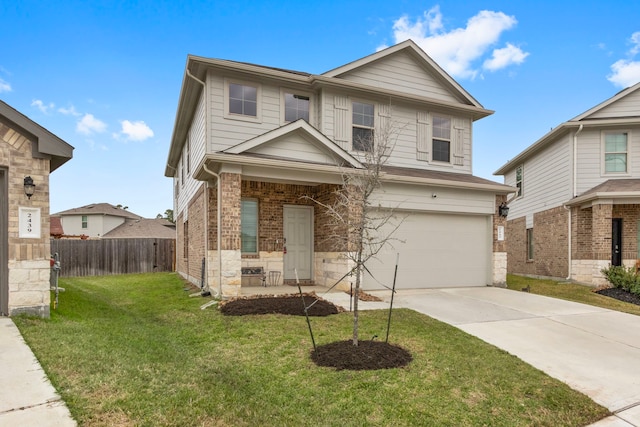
(279, 304)
(620, 294)
(367, 355)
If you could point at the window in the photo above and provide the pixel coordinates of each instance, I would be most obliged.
(362, 119)
(296, 107)
(85, 221)
(519, 181)
(249, 226)
(188, 148)
(185, 238)
(529, 244)
(615, 152)
(243, 99)
(441, 139)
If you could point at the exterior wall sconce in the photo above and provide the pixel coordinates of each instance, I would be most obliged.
(503, 210)
(29, 187)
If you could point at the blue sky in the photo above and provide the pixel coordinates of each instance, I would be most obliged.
(105, 76)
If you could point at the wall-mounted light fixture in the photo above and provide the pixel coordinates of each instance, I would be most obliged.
(29, 186)
(503, 210)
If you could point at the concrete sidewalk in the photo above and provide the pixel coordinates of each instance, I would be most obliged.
(27, 398)
(593, 350)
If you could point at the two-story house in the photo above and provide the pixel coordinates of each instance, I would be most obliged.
(94, 220)
(256, 149)
(577, 208)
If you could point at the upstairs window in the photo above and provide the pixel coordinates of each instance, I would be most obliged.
(441, 139)
(520, 181)
(249, 226)
(296, 107)
(615, 152)
(85, 221)
(242, 101)
(362, 120)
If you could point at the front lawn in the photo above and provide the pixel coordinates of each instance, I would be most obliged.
(135, 350)
(569, 291)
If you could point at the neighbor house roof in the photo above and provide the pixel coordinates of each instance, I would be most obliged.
(158, 228)
(45, 144)
(583, 120)
(100, 209)
(56, 226)
(612, 189)
(196, 70)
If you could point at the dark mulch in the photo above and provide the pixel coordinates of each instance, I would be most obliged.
(620, 294)
(367, 355)
(279, 304)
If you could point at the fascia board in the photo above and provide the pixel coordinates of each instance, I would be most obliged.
(495, 188)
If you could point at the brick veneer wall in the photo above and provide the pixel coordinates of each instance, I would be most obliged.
(28, 259)
(630, 215)
(581, 232)
(196, 230)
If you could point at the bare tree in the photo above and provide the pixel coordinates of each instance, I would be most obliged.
(360, 227)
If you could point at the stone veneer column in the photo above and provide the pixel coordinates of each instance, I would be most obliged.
(499, 255)
(230, 234)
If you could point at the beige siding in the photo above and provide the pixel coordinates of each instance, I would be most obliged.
(401, 73)
(294, 147)
(547, 180)
(197, 142)
(629, 106)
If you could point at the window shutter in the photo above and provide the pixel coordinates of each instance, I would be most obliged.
(423, 134)
(457, 141)
(342, 122)
(384, 121)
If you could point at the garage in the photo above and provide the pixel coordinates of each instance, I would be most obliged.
(436, 250)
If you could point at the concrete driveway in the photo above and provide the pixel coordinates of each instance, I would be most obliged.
(593, 350)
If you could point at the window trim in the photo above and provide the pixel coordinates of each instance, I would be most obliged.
(353, 125)
(234, 116)
(603, 166)
(257, 229)
(283, 92)
(530, 244)
(449, 140)
(84, 222)
(520, 192)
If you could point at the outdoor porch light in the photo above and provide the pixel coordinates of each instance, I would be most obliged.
(29, 186)
(503, 210)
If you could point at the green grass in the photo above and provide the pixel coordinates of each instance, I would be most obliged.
(135, 350)
(569, 291)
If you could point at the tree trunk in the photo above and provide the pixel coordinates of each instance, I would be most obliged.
(356, 297)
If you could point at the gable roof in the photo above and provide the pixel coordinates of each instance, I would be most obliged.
(304, 129)
(158, 228)
(99, 209)
(583, 120)
(45, 143)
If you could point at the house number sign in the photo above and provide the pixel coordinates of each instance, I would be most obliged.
(29, 223)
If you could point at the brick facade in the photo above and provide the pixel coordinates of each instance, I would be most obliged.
(28, 258)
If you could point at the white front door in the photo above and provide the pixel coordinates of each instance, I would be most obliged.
(298, 239)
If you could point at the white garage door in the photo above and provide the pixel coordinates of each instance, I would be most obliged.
(437, 250)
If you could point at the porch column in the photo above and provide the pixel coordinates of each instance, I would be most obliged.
(230, 234)
(601, 240)
(499, 256)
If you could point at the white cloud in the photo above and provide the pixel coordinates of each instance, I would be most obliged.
(456, 50)
(136, 131)
(71, 111)
(42, 106)
(626, 72)
(4, 86)
(504, 57)
(89, 124)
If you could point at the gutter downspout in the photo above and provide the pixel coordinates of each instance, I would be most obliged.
(206, 200)
(574, 194)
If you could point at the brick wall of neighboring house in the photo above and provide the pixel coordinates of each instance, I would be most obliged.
(28, 258)
(550, 245)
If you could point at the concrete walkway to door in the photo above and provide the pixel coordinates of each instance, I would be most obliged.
(593, 350)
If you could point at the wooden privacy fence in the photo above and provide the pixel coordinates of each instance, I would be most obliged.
(114, 256)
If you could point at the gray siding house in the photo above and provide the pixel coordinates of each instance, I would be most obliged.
(250, 142)
(577, 209)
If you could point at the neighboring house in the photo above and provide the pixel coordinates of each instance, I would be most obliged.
(28, 152)
(250, 142)
(94, 220)
(577, 209)
(143, 228)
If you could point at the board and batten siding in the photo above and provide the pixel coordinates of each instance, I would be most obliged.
(629, 106)
(402, 73)
(547, 180)
(590, 158)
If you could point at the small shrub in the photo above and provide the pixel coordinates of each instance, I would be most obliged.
(623, 278)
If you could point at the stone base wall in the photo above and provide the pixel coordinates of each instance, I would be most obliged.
(330, 267)
(29, 288)
(499, 269)
(589, 271)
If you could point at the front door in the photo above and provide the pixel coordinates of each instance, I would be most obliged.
(4, 244)
(298, 242)
(616, 241)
